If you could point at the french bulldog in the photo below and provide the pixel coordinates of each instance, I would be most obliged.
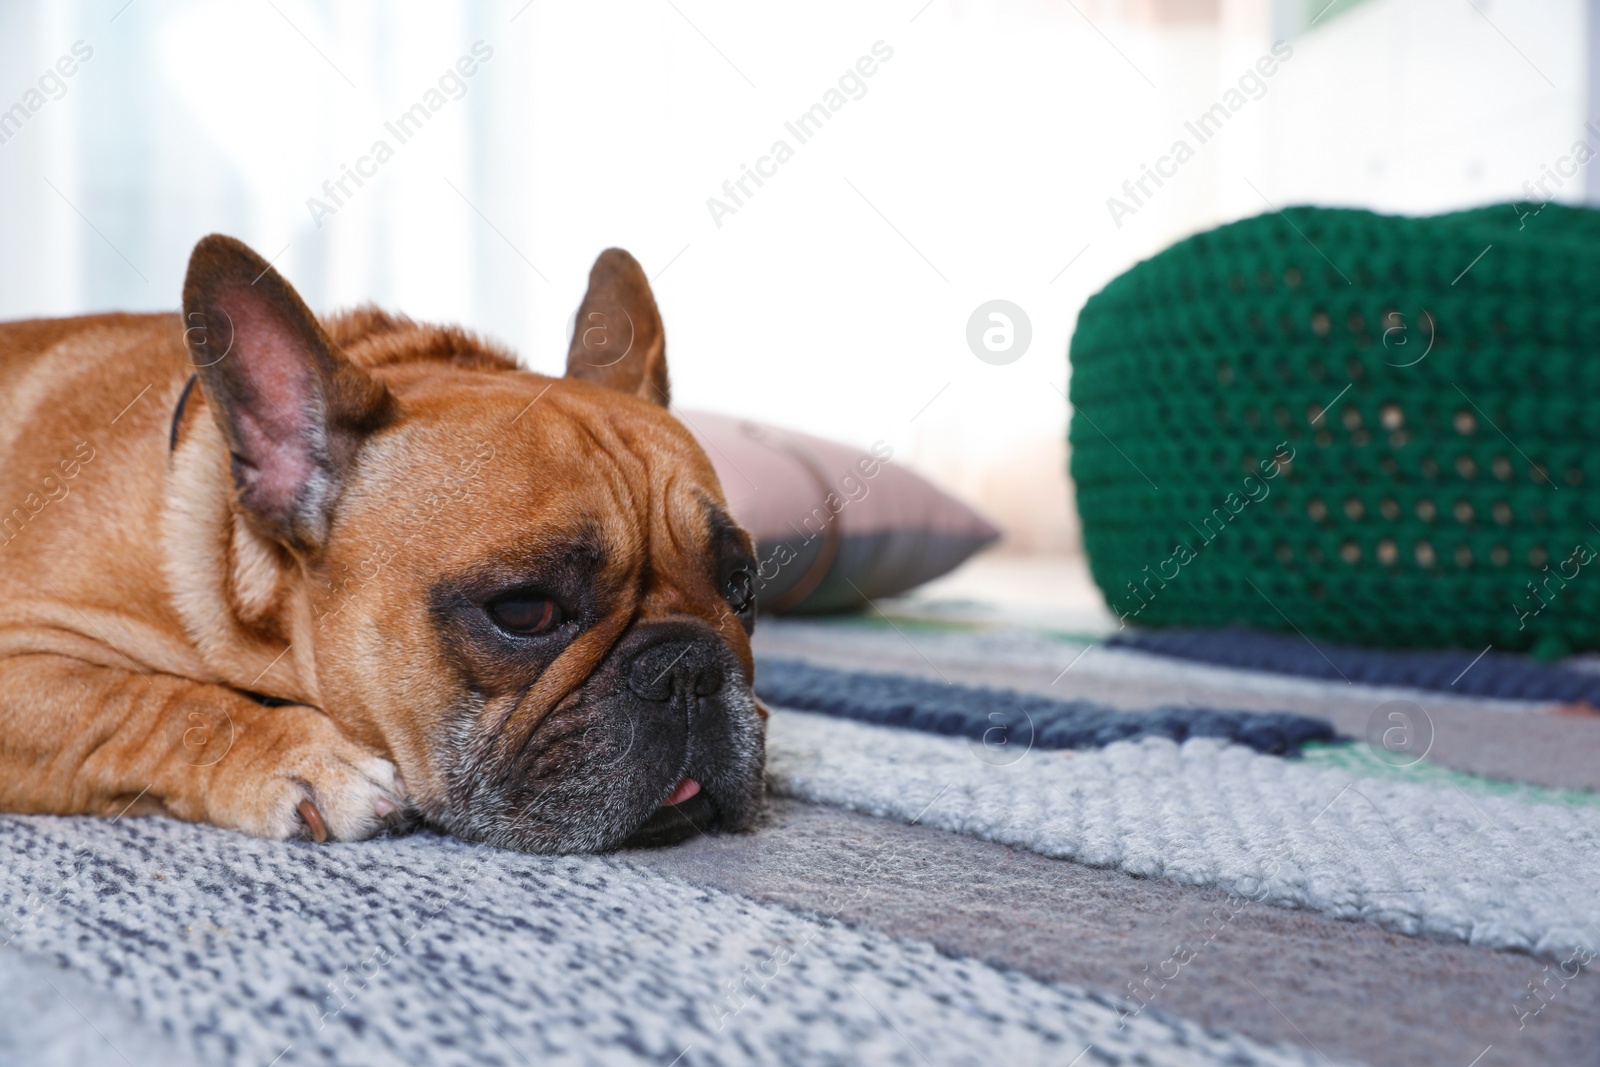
(324, 578)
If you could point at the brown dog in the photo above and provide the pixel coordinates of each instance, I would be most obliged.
(363, 544)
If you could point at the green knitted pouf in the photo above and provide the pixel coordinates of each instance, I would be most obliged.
(1378, 430)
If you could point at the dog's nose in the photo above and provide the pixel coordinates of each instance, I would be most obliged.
(668, 668)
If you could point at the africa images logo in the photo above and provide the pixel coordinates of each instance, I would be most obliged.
(1206, 126)
(802, 129)
(452, 85)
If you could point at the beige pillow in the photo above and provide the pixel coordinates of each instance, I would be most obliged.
(834, 525)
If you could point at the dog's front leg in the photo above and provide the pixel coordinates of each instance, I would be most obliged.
(77, 738)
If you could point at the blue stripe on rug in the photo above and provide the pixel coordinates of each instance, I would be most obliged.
(1498, 674)
(1002, 718)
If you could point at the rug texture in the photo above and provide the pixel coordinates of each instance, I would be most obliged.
(1148, 874)
(1008, 720)
(1480, 672)
(1418, 858)
(427, 950)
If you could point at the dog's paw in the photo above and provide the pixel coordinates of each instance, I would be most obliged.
(292, 773)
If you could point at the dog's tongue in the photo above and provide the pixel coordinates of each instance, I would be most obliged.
(685, 789)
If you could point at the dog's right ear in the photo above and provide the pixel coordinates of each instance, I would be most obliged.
(618, 341)
(292, 408)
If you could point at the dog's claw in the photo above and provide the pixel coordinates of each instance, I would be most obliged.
(313, 817)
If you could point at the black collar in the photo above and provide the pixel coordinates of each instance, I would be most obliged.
(177, 412)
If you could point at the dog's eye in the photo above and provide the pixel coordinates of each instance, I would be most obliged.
(526, 613)
(741, 591)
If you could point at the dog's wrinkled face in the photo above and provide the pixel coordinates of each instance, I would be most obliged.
(563, 630)
(528, 591)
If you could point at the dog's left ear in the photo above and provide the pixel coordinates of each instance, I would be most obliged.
(292, 408)
(618, 341)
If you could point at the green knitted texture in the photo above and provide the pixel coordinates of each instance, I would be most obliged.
(1372, 429)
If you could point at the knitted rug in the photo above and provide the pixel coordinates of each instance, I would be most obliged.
(1148, 874)
(1007, 722)
(1482, 673)
(425, 950)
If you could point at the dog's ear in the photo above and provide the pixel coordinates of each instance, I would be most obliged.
(292, 408)
(618, 341)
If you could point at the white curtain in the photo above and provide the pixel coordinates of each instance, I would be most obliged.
(975, 163)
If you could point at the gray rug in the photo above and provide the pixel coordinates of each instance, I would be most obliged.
(1348, 989)
(935, 923)
(423, 950)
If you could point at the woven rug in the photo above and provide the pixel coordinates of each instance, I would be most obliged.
(984, 846)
